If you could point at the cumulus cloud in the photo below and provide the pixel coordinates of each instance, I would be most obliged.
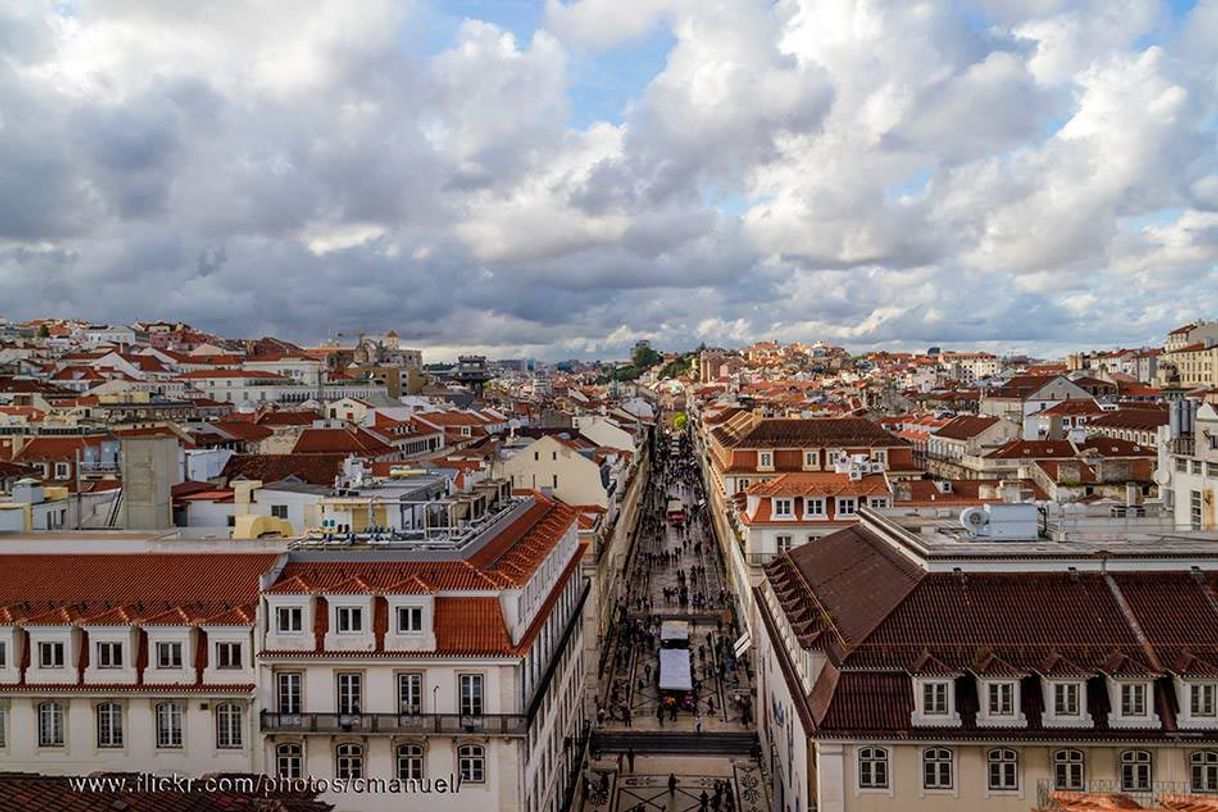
(1025, 175)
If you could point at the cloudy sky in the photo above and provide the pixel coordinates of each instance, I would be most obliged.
(560, 178)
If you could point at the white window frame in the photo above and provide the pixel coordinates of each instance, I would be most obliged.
(943, 766)
(1136, 770)
(819, 503)
(289, 619)
(228, 661)
(169, 655)
(52, 723)
(471, 763)
(936, 698)
(289, 760)
(1203, 771)
(784, 501)
(410, 687)
(349, 692)
(1207, 701)
(410, 614)
(106, 654)
(410, 761)
(765, 460)
(840, 503)
(56, 647)
(348, 760)
(230, 726)
(1069, 769)
(1002, 769)
(289, 692)
(349, 619)
(169, 717)
(108, 717)
(874, 768)
(471, 702)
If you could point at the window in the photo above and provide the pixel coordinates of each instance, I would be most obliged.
(471, 763)
(782, 508)
(873, 768)
(350, 619)
(279, 511)
(1002, 698)
(1133, 699)
(1003, 769)
(1068, 769)
(109, 725)
(811, 459)
(349, 761)
(1195, 511)
(934, 699)
(287, 692)
(784, 543)
(937, 768)
(471, 694)
(228, 726)
(1202, 700)
(879, 501)
(50, 655)
(1203, 771)
(168, 725)
(50, 724)
(62, 470)
(814, 506)
(168, 655)
(1135, 771)
(350, 693)
(410, 619)
(846, 505)
(880, 455)
(410, 693)
(228, 655)
(410, 761)
(1066, 699)
(289, 760)
(3, 655)
(765, 460)
(3, 727)
(109, 655)
(289, 619)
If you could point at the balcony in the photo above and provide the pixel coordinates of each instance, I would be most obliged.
(1185, 445)
(495, 724)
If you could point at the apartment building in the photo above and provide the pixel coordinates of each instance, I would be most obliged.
(114, 659)
(448, 652)
(911, 663)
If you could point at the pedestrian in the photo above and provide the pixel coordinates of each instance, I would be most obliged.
(630, 759)
(703, 800)
(672, 784)
(698, 724)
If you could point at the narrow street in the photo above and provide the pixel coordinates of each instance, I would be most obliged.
(655, 723)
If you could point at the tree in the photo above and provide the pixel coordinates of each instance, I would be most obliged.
(44, 331)
(680, 421)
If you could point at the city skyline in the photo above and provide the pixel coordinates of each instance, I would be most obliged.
(560, 180)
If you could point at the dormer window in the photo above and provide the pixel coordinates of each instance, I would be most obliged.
(1133, 699)
(50, 655)
(410, 619)
(168, 655)
(765, 460)
(1202, 698)
(350, 619)
(1066, 699)
(289, 619)
(934, 698)
(811, 459)
(846, 506)
(1001, 697)
(783, 508)
(109, 655)
(814, 506)
(228, 656)
(880, 455)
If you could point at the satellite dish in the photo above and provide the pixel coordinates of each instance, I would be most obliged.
(1162, 477)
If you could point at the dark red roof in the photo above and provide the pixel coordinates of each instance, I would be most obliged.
(27, 792)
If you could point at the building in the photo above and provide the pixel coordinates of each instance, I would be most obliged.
(1191, 462)
(908, 663)
(965, 436)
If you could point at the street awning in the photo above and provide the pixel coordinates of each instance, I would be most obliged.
(674, 631)
(742, 645)
(675, 674)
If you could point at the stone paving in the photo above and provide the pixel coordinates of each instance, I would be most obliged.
(661, 554)
(613, 787)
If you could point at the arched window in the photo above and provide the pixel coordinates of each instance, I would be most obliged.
(1135, 771)
(109, 725)
(289, 760)
(471, 763)
(349, 761)
(1003, 765)
(937, 768)
(1203, 769)
(1068, 769)
(410, 761)
(873, 768)
(50, 724)
(168, 725)
(229, 728)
